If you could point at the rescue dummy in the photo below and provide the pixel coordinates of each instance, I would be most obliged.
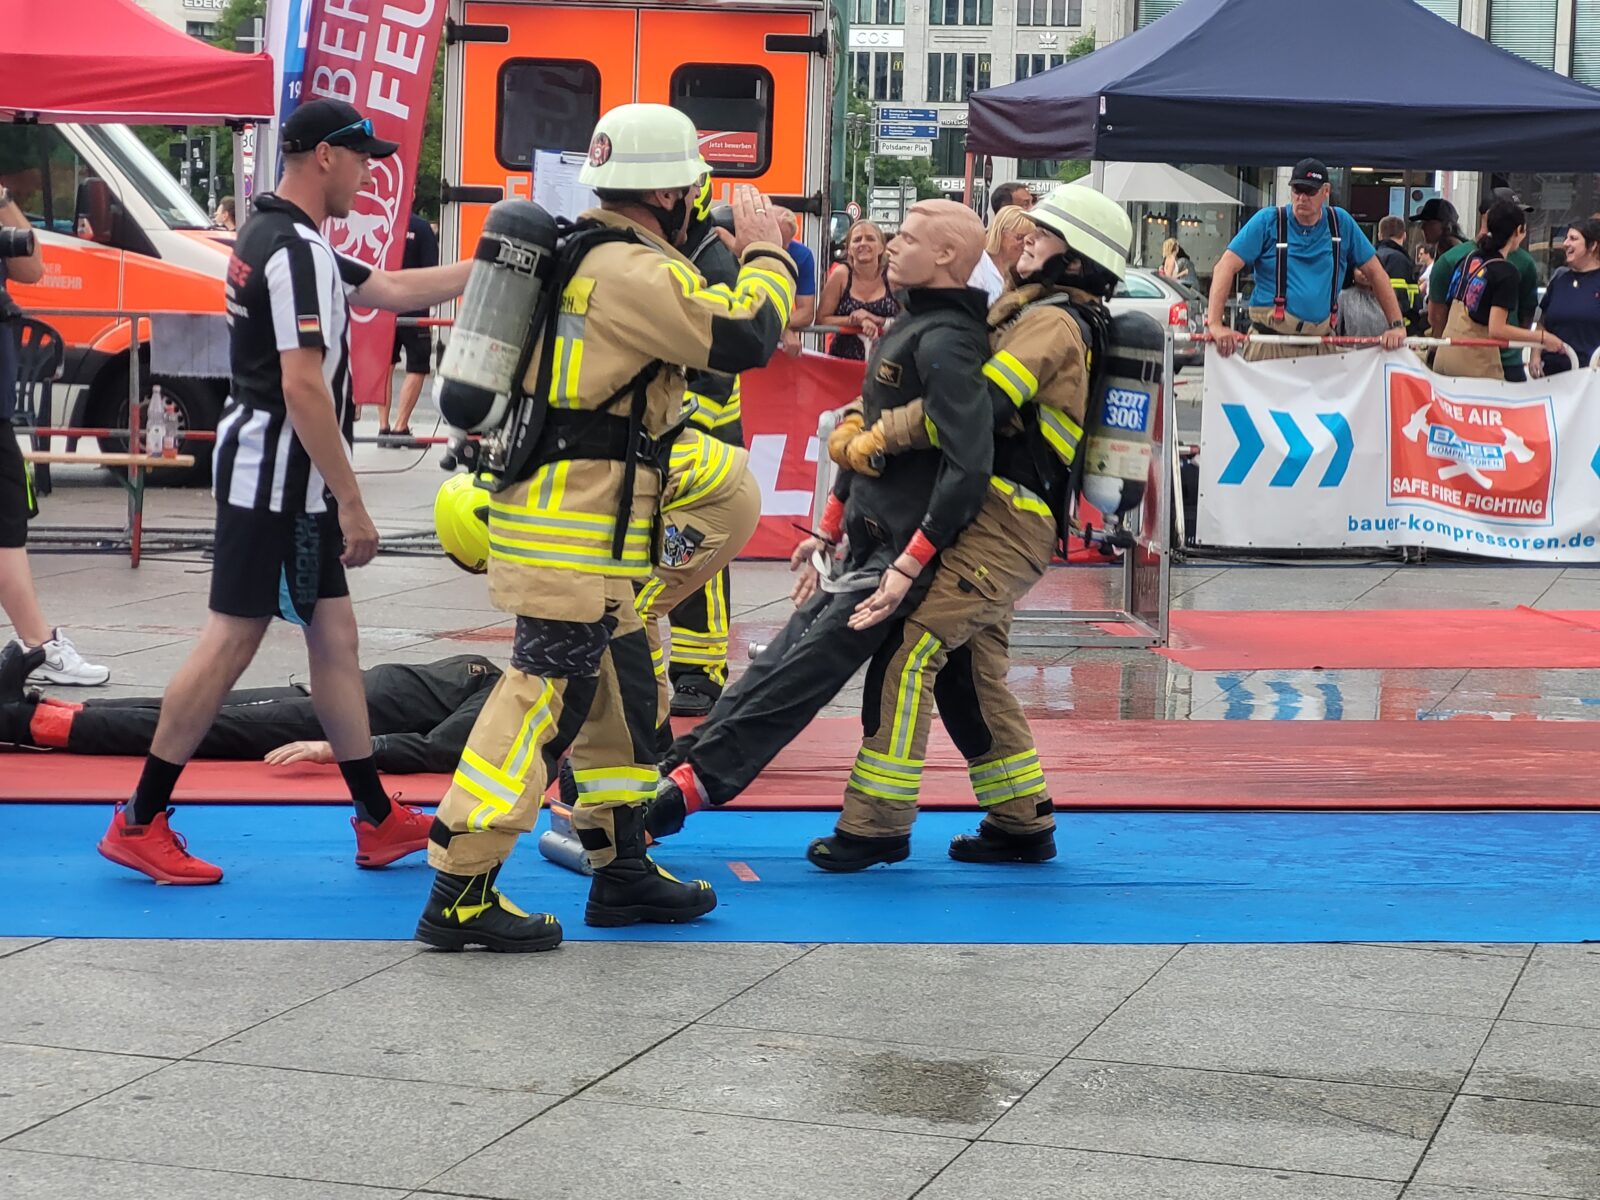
(573, 531)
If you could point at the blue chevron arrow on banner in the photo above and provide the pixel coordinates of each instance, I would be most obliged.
(1299, 453)
(1250, 444)
(1344, 445)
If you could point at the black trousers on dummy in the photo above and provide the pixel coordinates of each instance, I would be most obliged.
(770, 705)
(249, 724)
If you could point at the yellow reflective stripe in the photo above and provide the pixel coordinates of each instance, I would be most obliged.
(1010, 778)
(631, 566)
(497, 793)
(612, 785)
(704, 464)
(932, 430)
(999, 766)
(647, 597)
(1011, 377)
(887, 762)
(1021, 498)
(883, 791)
(534, 724)
(909, 699)
(717, 605)
(582, 523)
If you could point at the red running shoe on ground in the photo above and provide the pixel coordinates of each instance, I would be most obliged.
(155, 850)
(404, 831)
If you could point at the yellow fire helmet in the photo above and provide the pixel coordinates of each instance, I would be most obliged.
(461, 520)
(641, 147)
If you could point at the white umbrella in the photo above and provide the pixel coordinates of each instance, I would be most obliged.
(1157, 183)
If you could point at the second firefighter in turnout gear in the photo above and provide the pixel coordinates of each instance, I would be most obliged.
(954, 648)
(699, 617)
(572, 535)
(934, 353)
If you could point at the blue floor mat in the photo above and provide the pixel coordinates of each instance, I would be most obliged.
(1121, 877)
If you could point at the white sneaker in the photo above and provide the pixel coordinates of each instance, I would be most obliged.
(64, 665)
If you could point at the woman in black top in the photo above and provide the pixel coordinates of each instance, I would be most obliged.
(1482, 296)
(1571, 305)
(857, 292)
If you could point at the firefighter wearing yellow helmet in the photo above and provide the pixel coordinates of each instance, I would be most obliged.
(575, 528)
(1046, 332)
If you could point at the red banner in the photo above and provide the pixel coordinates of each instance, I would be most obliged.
(377, 55)
(781, 404)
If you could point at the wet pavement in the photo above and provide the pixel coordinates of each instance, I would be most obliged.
(330, 1071)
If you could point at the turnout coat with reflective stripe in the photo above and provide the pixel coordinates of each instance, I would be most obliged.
(628, 305)
(1039, 356)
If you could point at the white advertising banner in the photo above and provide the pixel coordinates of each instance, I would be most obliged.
(1372, 449)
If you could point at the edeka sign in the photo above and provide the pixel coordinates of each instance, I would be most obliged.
(1368, 449)
(377, 55)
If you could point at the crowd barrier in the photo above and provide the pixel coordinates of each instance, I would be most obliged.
(1367, 451)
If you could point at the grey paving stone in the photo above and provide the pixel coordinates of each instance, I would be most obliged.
(832, 1081)
(695, 1156)
(37, 1082)
(1427, 1191)
(551, 1026)
(1559, 1063)
(169, 998)
(1496, 949)
(1299, 1039)
(10, 945)
(965, 995)
(219, 1117)
(1242, 1120)
(1343, 974)
(989, 1171)
(1517, 1146)
(1561, 986)
(58, 1177)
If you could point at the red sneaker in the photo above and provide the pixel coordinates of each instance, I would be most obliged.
(404, 831)
(156, 850)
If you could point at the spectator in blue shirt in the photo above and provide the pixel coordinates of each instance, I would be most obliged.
(805, 293)
(1316, 267)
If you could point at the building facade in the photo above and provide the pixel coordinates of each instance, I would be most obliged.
(195, 17)
(936, 53)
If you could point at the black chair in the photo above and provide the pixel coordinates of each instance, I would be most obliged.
(41, 356)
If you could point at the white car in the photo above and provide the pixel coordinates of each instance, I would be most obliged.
(1167, 303)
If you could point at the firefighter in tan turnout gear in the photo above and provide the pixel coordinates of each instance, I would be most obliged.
(574, 533)
(954, 648)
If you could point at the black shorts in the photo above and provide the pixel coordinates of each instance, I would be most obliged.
(417, 344)
(269, 564)
(15, 491)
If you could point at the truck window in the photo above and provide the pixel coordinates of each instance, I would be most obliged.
(61, 193)
(545, 104)
(731, 106)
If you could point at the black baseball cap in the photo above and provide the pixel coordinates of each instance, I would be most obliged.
(1309, 172)
(334, 122)
(1499, 195)
(1437, 210)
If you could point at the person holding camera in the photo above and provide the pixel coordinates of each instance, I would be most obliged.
(37, 648)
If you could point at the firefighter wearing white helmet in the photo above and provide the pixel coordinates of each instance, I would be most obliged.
(955, 649)
(576, 527)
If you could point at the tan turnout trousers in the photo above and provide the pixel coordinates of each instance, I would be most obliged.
(954, 649)
(1291, 326)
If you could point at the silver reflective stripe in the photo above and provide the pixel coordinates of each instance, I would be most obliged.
(670, 156)
(1125, 251)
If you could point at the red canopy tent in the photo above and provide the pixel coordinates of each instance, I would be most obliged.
(109, 60)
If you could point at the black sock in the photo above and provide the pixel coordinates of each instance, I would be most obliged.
(154, 792)
(366, 789)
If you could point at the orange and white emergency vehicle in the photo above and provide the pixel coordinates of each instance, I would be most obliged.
(528, 75)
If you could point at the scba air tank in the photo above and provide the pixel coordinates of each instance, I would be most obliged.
(1121, 415)
(511, 269)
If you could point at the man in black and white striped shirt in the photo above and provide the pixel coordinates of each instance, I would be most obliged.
(290, 517)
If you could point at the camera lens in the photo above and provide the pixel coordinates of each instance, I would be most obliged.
(15, 243)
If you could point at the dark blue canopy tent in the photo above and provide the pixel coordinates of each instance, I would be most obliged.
(1268, 82)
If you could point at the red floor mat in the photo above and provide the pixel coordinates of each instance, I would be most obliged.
(1402, 638)
(1091, 764)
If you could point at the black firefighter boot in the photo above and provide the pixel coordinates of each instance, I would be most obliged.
(631, 888)
(468, 910)
(992, 844)
(845, 852)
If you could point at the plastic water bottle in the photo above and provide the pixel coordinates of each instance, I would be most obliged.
(169, 431)
(155, 429)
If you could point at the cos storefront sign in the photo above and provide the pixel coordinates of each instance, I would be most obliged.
(877, 39)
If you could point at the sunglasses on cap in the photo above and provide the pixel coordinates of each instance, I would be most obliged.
(360, 130)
